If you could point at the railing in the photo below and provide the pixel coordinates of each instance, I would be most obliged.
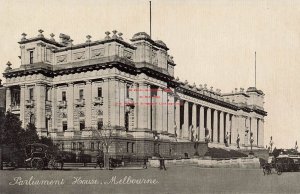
(15, 107)
(62, 104)
(80, 102)
(98, 101)
(129, 102)
(48, 103)
(29, 103)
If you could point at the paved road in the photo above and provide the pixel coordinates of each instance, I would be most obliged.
(174, 180)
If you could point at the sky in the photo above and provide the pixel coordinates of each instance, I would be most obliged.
(213, 43)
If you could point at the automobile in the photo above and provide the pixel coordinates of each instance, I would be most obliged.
(38, 156)
(287, 163)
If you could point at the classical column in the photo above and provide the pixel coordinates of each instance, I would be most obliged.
(106, 101)
(159, 111)
(165, 110)
(194, 120)
(142, 111)
(261, 133)
(22, 105)
(70, 106)
(171, 113)
(241, 129)
(40, 106)
(227, 126)
(247, 127)
(122, 105)
(234, 131)
(215, 136)
(88, 104)
(177, 117)
(222, 135)
(202, 130)
(254, 130)
(113, 101)
(185, 128)
(8, 99)
(54, 106)
(149, 106)
(135, 96)
(208, 121)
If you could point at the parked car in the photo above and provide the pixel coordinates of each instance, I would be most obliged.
(287, 163)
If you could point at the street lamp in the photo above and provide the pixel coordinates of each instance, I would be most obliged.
(251, 142)
(271, 144)
(156, 138)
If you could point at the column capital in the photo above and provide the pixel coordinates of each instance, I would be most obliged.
(54, 86)
(22, 86)
(89, 81)
(40, 84)
(106, 79)
(71, 84)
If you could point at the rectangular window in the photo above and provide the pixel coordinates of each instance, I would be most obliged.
(128, 144)
(62, 146)
(30, 57)
(47, 94)
(73, 146)
(30, 93)
(80, 145)
(92, 146)
(82, 125)
(47, 124)
(65, 125)
(132, 148)
(100, 123)
(99, 92)
(127, 91)
(81, 94)
(64, 96)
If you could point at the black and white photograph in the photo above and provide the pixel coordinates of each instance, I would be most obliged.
(139, 96)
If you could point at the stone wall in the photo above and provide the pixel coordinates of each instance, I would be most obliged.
(232, 163)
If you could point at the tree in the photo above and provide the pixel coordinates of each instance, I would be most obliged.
(11, 137)
(29, 135)
(48, 141)
(2, 118)
(12, 131)
(106, 136)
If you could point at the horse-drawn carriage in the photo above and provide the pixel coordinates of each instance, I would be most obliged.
(283, 163)
(39, 156)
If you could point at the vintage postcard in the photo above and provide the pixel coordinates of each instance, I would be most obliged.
(136, 96)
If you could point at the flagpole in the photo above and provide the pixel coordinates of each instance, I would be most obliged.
(150, 21)
(255, 68)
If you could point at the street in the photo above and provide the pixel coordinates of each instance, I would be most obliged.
(176, 179)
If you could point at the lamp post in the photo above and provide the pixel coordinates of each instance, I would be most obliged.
(156, 138)
(271, 144)
(251, 143)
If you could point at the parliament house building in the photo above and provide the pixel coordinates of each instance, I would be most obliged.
(71, 92)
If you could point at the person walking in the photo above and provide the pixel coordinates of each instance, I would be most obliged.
(162, 163)
(145, 163)
(99, 160)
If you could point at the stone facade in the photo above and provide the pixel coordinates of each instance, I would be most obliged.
(2, 97)
(72, 91)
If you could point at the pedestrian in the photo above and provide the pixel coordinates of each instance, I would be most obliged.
(61, 161)
(145, 163)
(99, 159)
(162, 163)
